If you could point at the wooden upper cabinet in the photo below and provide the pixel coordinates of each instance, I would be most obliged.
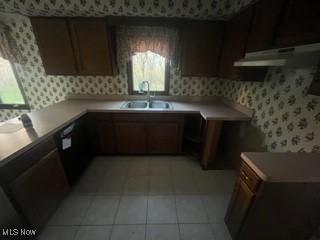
(234, 44)
(92, 46)
(54, 42)
(74, 46)
(201, 42)
(265, 21)
(300, 23)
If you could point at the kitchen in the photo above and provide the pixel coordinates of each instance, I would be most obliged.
(214, 145)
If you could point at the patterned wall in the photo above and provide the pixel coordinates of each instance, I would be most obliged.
(200, 9)
(288, 118)
(42, 90)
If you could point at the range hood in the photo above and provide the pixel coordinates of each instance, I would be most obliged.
(297, 56)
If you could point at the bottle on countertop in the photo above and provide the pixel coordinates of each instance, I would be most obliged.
(26, 120)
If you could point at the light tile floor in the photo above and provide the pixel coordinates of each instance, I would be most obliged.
(144, 198)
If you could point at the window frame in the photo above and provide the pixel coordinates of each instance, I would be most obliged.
(159, 93)
(24, 106)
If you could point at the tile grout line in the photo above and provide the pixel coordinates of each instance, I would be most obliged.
(118, 207)
(84, 215)
(147, 211)
(178, 224)
(209, 221)
(122, 195)
(114, 219)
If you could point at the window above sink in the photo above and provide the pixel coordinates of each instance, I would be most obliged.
(149, 52)
(151, 67)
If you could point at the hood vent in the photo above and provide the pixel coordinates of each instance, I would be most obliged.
(298, 56)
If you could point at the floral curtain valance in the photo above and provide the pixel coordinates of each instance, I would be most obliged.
(8, 47)
(160, 40)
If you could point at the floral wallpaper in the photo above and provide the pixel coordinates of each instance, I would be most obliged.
(42, 90)
(198, 9)
(288, 118)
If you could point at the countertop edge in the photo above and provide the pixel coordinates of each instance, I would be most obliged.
(275, 178)
(6, 158)
(254, 167)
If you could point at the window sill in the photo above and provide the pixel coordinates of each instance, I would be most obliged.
(162, 93)
(15, 106)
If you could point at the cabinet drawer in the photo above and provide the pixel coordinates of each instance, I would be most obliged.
(249, 177)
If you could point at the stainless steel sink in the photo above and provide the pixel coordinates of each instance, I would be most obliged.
(147, 105)
(136, 104)
(160, 105)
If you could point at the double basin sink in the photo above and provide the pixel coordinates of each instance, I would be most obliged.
(147, 105)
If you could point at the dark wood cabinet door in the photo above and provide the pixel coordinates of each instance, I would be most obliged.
(106, 138)
(54, 42)
(101, 133)
(131, 137)
(164, 137)
(212, 134)
(234, 44)
(9, 217)
(92, 46)
(300, 23)
(267, 14)
(238, 207)
(39, 189)
(201, 43)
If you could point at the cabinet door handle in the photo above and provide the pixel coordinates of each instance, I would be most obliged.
(244, 175)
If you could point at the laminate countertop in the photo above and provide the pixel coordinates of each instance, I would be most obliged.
(284, 166)
(49, 120)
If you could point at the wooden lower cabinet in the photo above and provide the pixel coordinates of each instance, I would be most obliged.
(131, 133)
(131, 137)
(210, 145)
(106, 137)
(239, 205)
(164, 137)
(277, 210)
(148, 133)
(9, 217)
(101, 133)
(39, 189)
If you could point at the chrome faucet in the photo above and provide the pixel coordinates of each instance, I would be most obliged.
(141, 87)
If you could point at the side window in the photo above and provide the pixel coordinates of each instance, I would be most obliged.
(11, 95)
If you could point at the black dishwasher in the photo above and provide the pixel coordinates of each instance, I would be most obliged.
(74, 149)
